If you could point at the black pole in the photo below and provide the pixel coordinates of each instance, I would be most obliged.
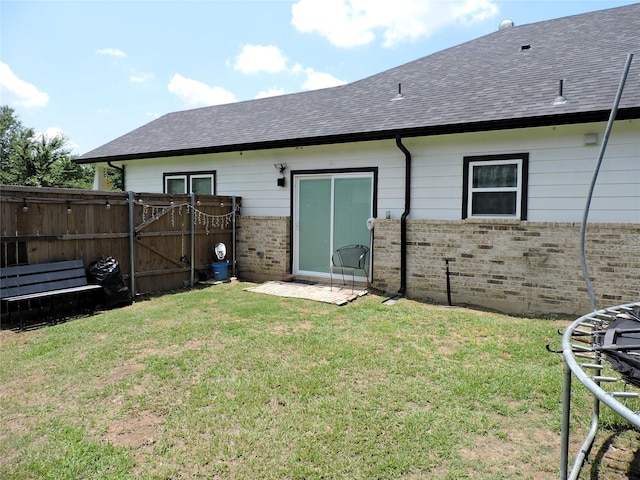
(448, 283)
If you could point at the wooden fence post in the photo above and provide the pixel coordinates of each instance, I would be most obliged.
(132, 242)
(192, 204)
(233, 234)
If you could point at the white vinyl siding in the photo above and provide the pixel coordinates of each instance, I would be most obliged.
(560, 171)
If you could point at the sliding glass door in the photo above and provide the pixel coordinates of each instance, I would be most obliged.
(330, 211)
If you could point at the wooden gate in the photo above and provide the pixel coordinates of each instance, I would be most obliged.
(162, 242)
(175, 237)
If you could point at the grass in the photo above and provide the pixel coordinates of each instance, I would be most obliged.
(223, 383)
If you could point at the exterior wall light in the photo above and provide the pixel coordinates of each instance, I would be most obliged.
(282, 180)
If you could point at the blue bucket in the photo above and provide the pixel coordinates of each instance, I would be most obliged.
(220, 270)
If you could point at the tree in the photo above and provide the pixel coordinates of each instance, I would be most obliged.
(114, 179)
(13, 139)
(28, 158)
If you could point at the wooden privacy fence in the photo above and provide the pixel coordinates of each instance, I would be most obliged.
(161, 241)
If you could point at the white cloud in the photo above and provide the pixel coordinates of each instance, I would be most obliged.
(260, 58)
(474, 11)
(140, 77)
(349, 23)
(198, 94)
(316, 80)
(342, 23)
(297, 68)
(111, 52)
(56, 132)
(19, 92)
(270, 59)
(271, 92)
(50, 133)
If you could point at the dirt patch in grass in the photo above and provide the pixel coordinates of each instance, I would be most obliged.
(615, 455)
(495, 452)
(135, 432)
(8, 337)
(123, 372)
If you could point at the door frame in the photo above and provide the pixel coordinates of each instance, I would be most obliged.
(329, 171)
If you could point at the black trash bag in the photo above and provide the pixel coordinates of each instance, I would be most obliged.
(622, 346)
(106, 273)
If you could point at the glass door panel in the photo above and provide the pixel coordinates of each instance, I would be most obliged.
(314, 224)
(352, 208)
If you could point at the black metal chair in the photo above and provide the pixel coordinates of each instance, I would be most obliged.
(349, 257)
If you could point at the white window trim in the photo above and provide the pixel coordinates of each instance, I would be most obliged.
(210, 176)
(174, 177)
(517, 188)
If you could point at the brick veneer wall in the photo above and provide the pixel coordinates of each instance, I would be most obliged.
(262, 247)
(521, 268)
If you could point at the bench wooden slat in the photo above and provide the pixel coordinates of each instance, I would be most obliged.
(40, 267)
(43, 287)
(62, 291)
(46, 277)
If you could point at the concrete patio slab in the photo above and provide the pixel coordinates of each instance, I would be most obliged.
(319, 293)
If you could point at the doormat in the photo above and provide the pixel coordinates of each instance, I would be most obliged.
(319, 293)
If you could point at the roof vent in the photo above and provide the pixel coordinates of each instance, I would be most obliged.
(560, 99)
(399, 95)
(504, 24)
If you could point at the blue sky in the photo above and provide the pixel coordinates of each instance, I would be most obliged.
(94, 70)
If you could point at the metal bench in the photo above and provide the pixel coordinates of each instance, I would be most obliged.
(53, 286)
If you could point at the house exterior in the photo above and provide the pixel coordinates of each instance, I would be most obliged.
(476, 163)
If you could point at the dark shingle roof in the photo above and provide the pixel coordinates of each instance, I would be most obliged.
(506, 79)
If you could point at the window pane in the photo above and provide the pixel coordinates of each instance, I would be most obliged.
(176, 185)
(493, 203)
(202, 185)
(495, 176)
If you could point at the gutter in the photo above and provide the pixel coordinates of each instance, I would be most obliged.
(445, 129)
(403, 218)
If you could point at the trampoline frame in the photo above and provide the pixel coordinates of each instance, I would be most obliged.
(582, 339)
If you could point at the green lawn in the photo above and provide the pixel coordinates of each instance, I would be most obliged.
(227, 384)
